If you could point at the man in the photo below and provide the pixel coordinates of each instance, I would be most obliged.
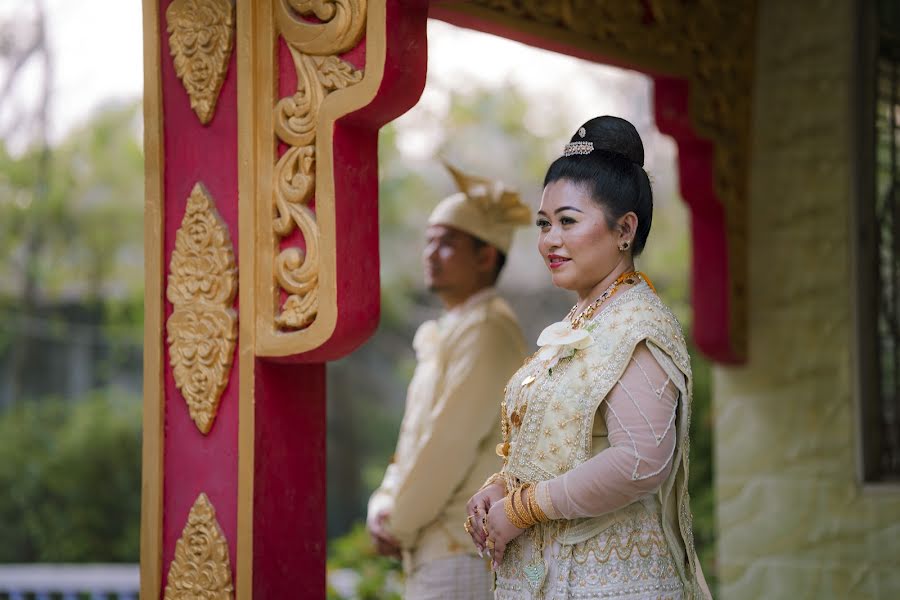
(450, 429)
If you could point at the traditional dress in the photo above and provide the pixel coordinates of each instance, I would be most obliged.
(446, 447)
(614, 487)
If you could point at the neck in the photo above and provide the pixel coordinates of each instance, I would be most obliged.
(451, 300)
(589, 294)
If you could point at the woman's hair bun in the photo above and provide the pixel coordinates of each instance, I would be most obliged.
(612, 134)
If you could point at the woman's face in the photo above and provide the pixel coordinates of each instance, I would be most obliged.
(577, 244)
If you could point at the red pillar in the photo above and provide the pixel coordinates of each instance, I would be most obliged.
(234, 499)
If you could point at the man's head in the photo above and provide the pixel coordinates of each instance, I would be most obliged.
(458, 264)
(469, 234)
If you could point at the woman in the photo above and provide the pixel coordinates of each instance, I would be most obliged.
(592, 499)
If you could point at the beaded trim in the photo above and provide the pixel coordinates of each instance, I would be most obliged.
(578, 148)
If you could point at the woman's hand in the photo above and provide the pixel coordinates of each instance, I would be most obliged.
(500, 531)
(477, 511)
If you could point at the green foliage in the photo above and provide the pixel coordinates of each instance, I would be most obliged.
(377, 575)
(700, 481)
(71, 215)
(71, 475)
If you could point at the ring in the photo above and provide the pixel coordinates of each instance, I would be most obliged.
(489, 543)
(467, 527)
(484, 528)
(470, 518)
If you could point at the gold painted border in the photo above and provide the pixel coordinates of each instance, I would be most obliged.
(154, 400)
(255, 49)
(269, 340)
(256, 61)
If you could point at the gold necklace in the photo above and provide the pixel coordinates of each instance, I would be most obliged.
(589, 310)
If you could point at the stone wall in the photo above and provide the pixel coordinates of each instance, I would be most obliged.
(793, 521)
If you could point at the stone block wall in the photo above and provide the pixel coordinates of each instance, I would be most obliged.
(794, 522)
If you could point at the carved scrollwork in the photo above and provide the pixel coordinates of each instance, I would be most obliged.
(201, 37)
(201, 568)
(314, 48)
(202, 329)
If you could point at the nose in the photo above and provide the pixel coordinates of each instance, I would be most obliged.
(552, 239)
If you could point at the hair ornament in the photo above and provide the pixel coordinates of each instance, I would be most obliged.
(573, 148)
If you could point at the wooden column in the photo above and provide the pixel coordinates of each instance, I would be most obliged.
(261, 121)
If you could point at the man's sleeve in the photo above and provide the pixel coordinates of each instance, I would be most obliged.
(382, 499)
(465, 413)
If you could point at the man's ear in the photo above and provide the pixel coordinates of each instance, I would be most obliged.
(488, 256)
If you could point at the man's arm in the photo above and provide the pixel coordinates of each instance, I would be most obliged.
(479, 364)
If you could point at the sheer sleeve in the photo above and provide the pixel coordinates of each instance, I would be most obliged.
(640, 415)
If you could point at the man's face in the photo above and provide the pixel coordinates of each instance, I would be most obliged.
(452, 260)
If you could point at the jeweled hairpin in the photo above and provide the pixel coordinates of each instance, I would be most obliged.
(578, 148)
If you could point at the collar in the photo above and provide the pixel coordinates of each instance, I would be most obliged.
(479, 297)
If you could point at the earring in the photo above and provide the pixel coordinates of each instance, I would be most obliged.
(624, 246)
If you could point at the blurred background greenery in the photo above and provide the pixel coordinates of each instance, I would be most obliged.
(71, 292)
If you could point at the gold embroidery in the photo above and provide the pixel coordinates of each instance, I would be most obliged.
(200, 569)
(314, 48)
(202, 329)
(201, 36)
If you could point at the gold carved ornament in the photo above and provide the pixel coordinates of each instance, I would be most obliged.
(314, 47)
(201, 569)
(710, 43)
(202, 329)
(201, 37)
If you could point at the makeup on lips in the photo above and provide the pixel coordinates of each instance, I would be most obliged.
(555, 261)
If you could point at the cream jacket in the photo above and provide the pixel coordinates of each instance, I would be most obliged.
(447, 442)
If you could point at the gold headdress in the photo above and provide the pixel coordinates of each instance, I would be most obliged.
(486, 209)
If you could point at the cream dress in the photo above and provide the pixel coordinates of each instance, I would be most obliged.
(602, 432)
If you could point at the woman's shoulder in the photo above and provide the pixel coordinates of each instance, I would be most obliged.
(639, 315)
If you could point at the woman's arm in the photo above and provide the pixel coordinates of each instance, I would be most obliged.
(640, 415)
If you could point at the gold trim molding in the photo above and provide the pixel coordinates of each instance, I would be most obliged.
(200, 569)
(314, 49)
(202, 329)
(710, 43)
(201, 37)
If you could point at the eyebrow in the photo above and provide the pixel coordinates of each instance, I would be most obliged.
(560, 209)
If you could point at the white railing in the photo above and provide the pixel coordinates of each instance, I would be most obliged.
(69, 582)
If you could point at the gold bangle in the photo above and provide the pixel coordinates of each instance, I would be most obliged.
(536, 511)
(520, 511)
(511, 513)
(526, 504)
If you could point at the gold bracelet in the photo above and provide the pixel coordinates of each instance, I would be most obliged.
(535, 508)
(526, 504)
(512, 514)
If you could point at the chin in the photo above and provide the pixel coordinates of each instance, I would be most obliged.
(561, 281)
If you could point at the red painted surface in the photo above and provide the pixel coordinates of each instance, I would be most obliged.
(710, 275)
(710, 278)
(289, 516)
(194, 463)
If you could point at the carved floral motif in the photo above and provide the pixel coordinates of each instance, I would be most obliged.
(314, 48)
(202, 329)
(201, 36)
(201, 569)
